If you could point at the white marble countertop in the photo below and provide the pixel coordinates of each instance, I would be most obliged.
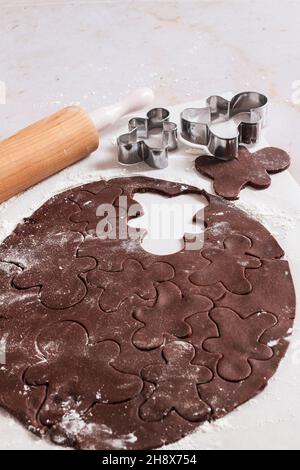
(89, 52)
(53, 53)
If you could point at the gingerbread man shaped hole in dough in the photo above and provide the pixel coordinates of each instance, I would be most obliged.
(176, 385)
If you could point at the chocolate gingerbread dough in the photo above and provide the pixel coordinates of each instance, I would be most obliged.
(247, 169)
(111, 347)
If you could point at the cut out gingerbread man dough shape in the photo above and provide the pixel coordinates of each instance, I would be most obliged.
(114, 206)
(57, 270)
(252, 169)
(228, 265)
(77, 372)
(89, 205)
(133, 279)
(239, 342)
(176, 385)
(168, 316)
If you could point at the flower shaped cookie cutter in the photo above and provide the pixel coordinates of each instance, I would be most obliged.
(132, 147)
(249, 110)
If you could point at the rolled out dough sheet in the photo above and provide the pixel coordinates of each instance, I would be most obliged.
(271, 420)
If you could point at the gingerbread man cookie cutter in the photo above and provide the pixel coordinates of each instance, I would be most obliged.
(132, 147)
(249, 110)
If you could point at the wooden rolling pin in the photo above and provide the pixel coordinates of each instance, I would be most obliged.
(48, 146)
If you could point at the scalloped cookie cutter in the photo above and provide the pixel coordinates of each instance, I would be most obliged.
(249, 111)
(132, 147)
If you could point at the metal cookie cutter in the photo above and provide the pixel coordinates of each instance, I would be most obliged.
(249, 110)
(132, 147)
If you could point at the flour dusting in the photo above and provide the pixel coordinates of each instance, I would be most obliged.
(279, 222)
(73, 426)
